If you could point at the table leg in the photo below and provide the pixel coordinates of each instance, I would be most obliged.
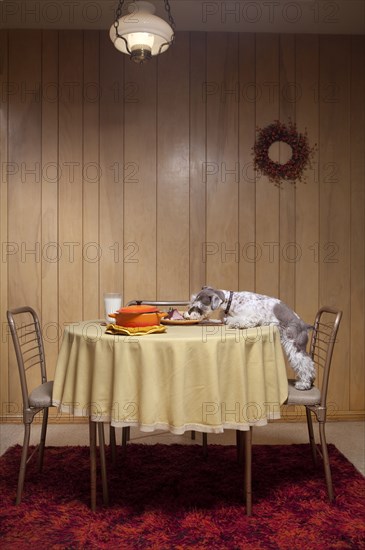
(92, 434)
(205, 444)
(125, 438)
(248, 471)
(113, 444)
(104, 480)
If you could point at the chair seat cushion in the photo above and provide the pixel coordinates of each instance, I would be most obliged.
(302, 397)
(42, 395)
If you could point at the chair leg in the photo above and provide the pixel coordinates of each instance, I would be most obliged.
(23, 463)
(240, 446)
(104, 480)
(248, 471)
(311, 435)
(43, 439)
(92, 434)
(326, 462)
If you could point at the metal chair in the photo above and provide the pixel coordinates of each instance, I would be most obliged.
(28, 344)
(126, 430)
(29, 350)
(322, 344)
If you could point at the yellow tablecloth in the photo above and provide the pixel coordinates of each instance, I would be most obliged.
(203, 378)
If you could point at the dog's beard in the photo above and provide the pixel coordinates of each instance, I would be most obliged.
(196, 313)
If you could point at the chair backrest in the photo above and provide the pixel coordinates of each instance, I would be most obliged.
(28, 343)
(322, 343)
(159, 303)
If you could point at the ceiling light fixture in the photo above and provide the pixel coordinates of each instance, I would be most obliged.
(141, 34)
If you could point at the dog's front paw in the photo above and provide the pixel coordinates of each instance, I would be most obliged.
(300, 385)
(233, 322)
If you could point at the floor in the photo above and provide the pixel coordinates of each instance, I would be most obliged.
(349, 437)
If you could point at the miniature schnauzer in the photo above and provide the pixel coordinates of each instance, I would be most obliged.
(248, 309)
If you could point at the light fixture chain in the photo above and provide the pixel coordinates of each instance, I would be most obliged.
(118, 13)
(171, 19)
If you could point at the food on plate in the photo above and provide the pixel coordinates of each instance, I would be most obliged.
(174, 315)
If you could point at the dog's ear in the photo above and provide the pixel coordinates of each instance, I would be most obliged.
(216, 302)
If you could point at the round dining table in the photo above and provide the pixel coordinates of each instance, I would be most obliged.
(200, 377)
(206, 378)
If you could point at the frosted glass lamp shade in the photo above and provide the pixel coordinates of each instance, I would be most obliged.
(141, 34)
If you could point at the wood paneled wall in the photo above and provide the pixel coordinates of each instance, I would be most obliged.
(140, 179)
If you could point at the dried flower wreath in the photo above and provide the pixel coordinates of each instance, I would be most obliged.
(302, 152)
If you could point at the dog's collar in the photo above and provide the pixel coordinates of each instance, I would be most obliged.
(229, 302)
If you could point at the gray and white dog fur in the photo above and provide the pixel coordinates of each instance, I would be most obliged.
(248, 309)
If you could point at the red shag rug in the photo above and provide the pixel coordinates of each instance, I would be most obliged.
(170, 497)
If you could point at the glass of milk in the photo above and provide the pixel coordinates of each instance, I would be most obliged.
(112, 302)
